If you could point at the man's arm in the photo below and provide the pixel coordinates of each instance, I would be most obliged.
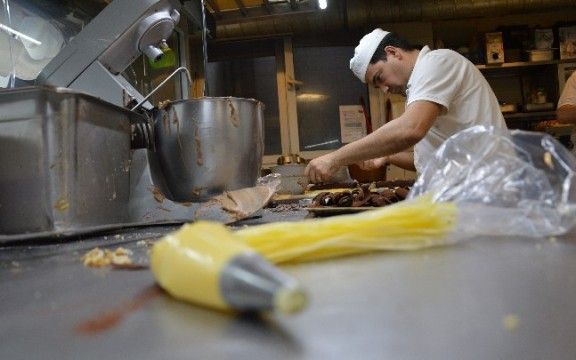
(393, 137)
(566, 114)
(404, 160)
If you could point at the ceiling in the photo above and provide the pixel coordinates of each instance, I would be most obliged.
(236, 11)
(234, 19)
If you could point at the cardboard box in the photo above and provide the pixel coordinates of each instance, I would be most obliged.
(543, 39)
(494, 48)
(567, 36)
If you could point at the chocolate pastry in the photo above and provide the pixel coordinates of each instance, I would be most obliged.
(401, 193)
(339, 185)
(362, 196)
(346, 200)
(321, 199)
(378, 200)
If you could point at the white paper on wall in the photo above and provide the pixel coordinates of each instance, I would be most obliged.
(352, 123)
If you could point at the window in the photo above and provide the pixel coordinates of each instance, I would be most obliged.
(301, 116)
(326, 83)
(250, 69)
(33, 32)
(250, 78)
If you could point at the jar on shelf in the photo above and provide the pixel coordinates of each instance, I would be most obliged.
(539, 96)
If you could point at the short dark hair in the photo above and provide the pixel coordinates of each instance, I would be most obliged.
(391, 39)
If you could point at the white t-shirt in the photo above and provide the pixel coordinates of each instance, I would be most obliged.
(568, 96)
(449, 79)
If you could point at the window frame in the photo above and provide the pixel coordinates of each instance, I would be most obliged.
(286, 84)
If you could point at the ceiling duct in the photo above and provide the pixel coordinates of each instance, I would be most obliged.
(372, 12)
(362, 14)
(299, 21)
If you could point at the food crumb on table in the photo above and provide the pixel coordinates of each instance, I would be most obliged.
(103, 257)
(511, 322)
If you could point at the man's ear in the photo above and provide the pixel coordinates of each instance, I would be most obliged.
(392, 51)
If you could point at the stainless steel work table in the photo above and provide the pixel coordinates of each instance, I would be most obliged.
(500, 298)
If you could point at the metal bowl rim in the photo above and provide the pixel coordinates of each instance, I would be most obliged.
(217, 99)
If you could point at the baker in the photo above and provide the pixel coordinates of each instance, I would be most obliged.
(566, 112)
(445, 94)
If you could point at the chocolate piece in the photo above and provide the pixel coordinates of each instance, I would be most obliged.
(378, 200)
(339, 195)
(387, 192)
(395, 183)
(401, 193)
(338, 185)
(346, 200)
(318, 200)
(390, 198)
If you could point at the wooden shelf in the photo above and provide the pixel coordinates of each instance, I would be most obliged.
(517, 64)
(529, 114)
(524, 64)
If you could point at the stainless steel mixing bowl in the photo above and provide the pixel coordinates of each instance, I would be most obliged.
(209, 145)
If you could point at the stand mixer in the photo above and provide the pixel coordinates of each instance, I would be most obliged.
(94, 60)
(179, 164)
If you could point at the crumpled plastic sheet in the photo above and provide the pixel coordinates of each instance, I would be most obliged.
(505, 183)
(271, 180)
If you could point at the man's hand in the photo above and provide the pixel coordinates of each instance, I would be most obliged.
(321, 169)
(373, 164)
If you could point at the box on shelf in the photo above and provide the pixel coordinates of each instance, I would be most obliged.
(567, 37)
(539, 107)
(494, 48)
(508, 108)
(543, 39)
(540, 55)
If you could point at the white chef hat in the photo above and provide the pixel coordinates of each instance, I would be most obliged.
(364, 52)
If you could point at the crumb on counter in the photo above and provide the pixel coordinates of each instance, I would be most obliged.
(511, 322)
(552, 239)
(103, 257)
(145, 243)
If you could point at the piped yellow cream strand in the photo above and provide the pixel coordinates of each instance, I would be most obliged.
(410, 225)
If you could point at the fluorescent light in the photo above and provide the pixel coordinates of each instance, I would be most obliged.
(311, 97)
(323, 4)
(18, 34)
(335, 141)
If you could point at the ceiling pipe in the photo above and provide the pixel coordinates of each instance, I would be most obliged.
(373, 12)
(361, 14)
(306, 19)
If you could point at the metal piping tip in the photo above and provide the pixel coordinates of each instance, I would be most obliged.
(290, 300)
(250, 283)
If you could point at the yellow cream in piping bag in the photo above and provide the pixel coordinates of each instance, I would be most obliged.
(206, 264)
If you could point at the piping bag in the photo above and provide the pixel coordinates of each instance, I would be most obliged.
(204, 263)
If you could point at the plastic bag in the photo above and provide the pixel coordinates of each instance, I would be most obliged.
(504, 182)
(271, 180)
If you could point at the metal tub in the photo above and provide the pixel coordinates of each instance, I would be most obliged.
(208, 145)
(64, 161)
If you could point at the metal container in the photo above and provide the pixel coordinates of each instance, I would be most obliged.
(292, 178)
(64, 161)
(208, 145)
